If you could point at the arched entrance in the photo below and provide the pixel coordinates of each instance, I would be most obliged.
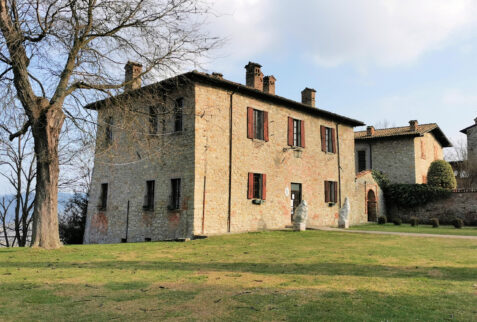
(372, 206)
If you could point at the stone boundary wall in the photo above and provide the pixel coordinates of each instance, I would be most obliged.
(461, 205)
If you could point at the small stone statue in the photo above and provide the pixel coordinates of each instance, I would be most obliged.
(343, 221)
(300, 216)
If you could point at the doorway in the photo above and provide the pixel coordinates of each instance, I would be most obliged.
(372, 206)
(295, 197)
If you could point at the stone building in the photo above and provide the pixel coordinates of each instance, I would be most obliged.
(214, 156)
(471, 133)
(403, 153)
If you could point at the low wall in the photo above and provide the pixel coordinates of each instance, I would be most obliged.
(461, 205)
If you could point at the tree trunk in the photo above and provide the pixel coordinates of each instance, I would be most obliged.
(46, 132)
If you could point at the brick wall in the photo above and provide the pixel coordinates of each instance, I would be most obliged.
(282, 168)
(404, 160)
(461, 205)
(131, 160)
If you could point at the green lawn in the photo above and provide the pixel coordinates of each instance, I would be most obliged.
(257, 276)
(422, 229)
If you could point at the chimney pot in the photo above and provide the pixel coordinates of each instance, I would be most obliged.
(308, 96)
(269, 84)
(370, 130)
(254, 76)
(413, 125)
(132, 72)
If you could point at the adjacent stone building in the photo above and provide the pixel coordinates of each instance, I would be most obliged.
(403, 153)
(197, 155)
(471, 133)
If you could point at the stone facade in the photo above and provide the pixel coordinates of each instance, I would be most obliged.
(461, 205)
(213, 157)
(404, 158)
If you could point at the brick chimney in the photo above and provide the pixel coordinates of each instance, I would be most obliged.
(132, 72)
(308, 96)
(370, 130)
(413, 125)
(254, 76)
(269, 84)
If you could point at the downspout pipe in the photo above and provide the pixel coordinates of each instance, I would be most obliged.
(229, 213)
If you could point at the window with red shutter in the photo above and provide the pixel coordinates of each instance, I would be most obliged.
(323, 138)
(250, 186)
(249, 122)
(331, 191)
(257, 184)
(265, 126)
(290, 131)
(333, 140)
(302, 132)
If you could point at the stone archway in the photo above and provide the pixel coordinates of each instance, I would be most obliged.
(372, 206)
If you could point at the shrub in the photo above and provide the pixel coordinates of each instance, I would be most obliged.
(440, 174)
(413, 195)
(381, 178)
(435, 222)
(414, 221)
(458, 223)
(382, 220)
(397, 221)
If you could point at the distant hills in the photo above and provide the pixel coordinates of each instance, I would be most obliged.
(63, 198)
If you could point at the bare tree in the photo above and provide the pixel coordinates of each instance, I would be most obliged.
(54, 51)
(17, 157)
(5, 204)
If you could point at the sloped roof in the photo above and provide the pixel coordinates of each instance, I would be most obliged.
(196, 76)
(468, 128)
(405, 131)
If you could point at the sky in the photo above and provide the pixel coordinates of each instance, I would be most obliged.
(375, 61)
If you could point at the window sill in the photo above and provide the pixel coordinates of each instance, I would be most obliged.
(258, 201)
(148, 209)
(331, 204)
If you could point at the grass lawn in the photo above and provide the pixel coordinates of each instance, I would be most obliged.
(256, 276)
(423, 229)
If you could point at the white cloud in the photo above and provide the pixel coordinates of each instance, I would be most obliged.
(332, 33)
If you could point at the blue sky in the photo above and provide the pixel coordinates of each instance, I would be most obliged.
(392, 60)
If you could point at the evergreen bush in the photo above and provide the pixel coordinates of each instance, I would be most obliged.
(414, 221)
(458, 223)
(440, 174)
(382, 220)
(435, 222)
(397, 221)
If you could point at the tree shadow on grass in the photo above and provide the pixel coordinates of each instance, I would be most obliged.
(320, 268)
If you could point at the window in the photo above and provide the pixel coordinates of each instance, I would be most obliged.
(103, 197)
(153, 122)
(257, 184)
(149, 197)
(178, 114)
(109, 130)
(257, 124)
(296, 132)
(328, 139)
(331, 191)
(361, 161)
(176, 193)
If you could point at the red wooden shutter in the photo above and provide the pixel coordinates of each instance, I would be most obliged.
(249, 122)
(264, 186)
(327, 192)
(302, 134)
(265, 126)
(290, 131)
(336, 192)
(250, 186)
(323, 138)
(333, 139)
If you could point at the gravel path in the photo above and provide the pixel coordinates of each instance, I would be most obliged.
(393, 233)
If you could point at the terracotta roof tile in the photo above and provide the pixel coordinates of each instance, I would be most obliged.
(404, 131)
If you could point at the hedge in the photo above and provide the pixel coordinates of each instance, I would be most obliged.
(413, 195)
